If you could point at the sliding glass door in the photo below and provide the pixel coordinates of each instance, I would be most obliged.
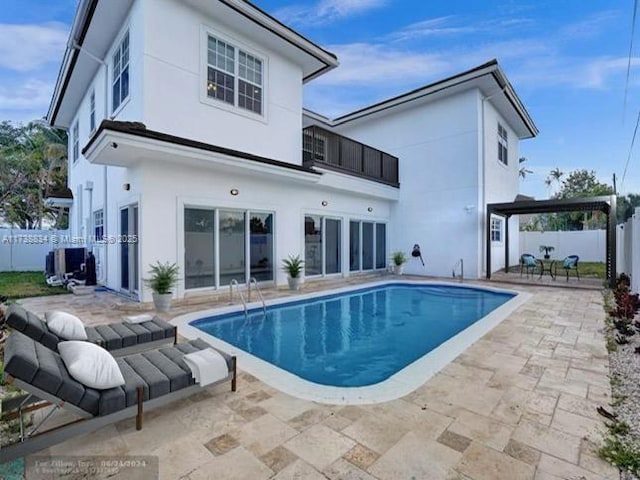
(225, 245)
(322, 245)
(381, 245)
(129, 273)
(367, 246)
(261, 246)
(333, 246)
(199, 248)
(312, 245)
(354, 246)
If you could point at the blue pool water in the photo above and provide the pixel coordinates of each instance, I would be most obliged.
(356, 338)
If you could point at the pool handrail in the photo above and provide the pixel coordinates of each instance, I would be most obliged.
(244, 303)
(254, 281)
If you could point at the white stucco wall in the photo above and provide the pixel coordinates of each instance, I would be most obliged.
(441, 145)
(106, 179)
(437, 144)
(501, 184)
(175, 80)
(168, 187)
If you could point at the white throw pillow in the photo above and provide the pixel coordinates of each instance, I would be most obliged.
(91, 365)
(65, 325)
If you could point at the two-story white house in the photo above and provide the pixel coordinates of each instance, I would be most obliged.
(187, 135)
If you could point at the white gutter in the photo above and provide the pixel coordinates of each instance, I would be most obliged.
(105, 173)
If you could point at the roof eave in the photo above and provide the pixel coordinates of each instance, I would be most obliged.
(84, 15)
(490, 68)
(79, 28)
(513, 97)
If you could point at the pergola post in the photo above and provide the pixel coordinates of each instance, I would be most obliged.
(605, 204)
(488, 242)
(506, 244)
(612, 242)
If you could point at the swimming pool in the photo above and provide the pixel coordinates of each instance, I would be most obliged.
(354, 340)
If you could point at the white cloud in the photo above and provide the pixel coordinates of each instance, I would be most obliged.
(325, 11)
(591, 26)
(576, 72)
(431, 27)
(599, 71)
(27, 47)
(32, 95)
(377, 64)
(452, 25)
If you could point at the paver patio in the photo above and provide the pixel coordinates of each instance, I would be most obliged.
(518, 404)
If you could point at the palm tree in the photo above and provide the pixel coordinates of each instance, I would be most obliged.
(554, 176)
(524, 171)
(34, 165)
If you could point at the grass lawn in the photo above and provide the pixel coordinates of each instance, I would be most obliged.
(15, 285)
(586, 269)
(592, 269)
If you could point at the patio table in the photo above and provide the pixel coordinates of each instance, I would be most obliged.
(547, 266)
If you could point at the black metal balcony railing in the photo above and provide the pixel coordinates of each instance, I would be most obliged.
(327, 149)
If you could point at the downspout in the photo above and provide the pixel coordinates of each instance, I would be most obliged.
(105, 222)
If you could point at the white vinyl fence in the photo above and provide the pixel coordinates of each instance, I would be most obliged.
(628, 249)
(589, 245)
(25, 250)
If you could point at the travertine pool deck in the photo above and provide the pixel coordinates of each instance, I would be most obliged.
(518, 404)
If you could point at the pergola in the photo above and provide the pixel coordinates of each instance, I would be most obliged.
(604, 204)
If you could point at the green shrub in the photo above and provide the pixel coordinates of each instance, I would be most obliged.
(163, 277)
(293, 266)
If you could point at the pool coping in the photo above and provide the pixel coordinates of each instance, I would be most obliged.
(398, 385)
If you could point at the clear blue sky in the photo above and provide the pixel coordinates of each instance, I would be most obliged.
(567, 60)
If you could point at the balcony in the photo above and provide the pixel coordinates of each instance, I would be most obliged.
(325, 149)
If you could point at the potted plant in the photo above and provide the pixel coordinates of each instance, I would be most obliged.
(547, 249)
(293, 266)
(399, 259)
(163, 277)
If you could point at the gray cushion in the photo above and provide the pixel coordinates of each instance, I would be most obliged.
(43, 368)
(178, 378)
(31, 325)
(157, 332)
(112, 341)
(93, 336)
(143, 335)
(111, 337)
(159, 328)
(128, 337)
(158, 372)
(156, 380)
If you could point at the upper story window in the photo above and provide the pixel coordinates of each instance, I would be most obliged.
(75, 138)
(92, 111)
(98, 225)
(503, 145)
(234, 76)
(496, 230)
(120, 78)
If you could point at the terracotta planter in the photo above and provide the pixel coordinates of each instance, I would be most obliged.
(162, 301)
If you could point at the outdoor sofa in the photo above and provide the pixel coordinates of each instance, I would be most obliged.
(152, 379)
(121, 338)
